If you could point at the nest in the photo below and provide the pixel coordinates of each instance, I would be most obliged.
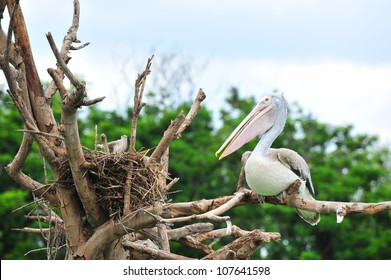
(108, 174)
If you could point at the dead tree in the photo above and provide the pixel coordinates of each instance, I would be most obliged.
(111, 203)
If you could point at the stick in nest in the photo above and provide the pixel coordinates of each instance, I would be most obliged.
(138, 105)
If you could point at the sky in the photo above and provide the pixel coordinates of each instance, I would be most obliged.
(331, 57)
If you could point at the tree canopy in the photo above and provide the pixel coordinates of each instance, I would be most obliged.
(345, 166)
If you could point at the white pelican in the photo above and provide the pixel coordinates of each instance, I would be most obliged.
(270, 171)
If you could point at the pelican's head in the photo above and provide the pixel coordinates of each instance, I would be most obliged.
(271, 110)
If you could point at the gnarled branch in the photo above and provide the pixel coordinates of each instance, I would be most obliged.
(195, 107)
(70, 131)
(69, 39)
(340, 208)
(243, 247)
(139, 251)
(167, 138)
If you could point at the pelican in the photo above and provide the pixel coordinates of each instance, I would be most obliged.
(268, 171)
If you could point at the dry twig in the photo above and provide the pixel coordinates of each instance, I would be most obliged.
(167, 138)
(195, 107)
(138, 102)
(137, 106)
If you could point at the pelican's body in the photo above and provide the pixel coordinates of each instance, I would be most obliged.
(271, 171)
(266, 175)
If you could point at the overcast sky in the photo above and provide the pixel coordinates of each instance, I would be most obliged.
(332, 57)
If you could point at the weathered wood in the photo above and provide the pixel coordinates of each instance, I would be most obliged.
(139, 251)
(243, 247)
(168, 137)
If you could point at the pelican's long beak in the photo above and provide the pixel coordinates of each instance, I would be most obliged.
(257, 122)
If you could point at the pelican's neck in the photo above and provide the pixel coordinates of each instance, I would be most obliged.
(269, 136)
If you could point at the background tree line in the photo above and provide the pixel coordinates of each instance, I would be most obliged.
(345, 166)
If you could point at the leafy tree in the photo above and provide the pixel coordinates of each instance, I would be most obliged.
(14, 244)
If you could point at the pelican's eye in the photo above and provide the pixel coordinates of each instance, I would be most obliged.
(267, 99)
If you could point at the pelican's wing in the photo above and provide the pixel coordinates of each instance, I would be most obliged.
(297, 164)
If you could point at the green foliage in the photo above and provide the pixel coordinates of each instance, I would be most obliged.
(10, 122)
(14, 244)
(344, 166)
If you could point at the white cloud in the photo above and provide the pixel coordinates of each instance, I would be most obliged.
(337, 92)
(334, 61)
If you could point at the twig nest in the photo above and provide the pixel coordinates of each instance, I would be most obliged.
(108, 173)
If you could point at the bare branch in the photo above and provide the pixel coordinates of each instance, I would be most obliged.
(76, 229)
(40, 133)
(212, 214)
(23, 42)
(243, 247)
(73, 48)
(28, 95)
(57, 80)
(33, 81)
(218, 233)
(193, 243)
(138, 104)
(14, 171)
(62, 65)
(195, 240)
(341, 209)
(111, 231)
(142, 252)
(21, 156)
(9, 34)
(180, 209)
(93, 101)
(192, 113)
(69, 39)
(177, 127)
(168, 136)
(53, 220)
(46, 144)
(15, 77)
(48, 148)
(187, 211)
(77, 161)
(169, 185)
(34, 230)
(163, 237)
(177, 233)
(35, 187)
(148, 218)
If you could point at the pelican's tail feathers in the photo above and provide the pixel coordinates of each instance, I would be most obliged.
(310, 217)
